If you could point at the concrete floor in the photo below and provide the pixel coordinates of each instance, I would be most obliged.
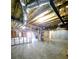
(40, 50)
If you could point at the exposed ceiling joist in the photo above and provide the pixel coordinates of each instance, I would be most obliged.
(55, 9)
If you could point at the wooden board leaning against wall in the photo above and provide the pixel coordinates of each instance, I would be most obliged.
(13, 34)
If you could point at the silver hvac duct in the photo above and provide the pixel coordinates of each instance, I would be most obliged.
(23, 5)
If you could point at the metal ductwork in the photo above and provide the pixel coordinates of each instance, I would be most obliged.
(23, 5)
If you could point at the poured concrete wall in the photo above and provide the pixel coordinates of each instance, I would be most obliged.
(59, 35)
(53, 35)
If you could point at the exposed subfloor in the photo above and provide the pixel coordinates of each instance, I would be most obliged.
(40, 50)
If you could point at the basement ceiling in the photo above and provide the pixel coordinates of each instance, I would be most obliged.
(39, 12)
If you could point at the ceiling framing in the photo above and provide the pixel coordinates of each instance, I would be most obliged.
(39, 15)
